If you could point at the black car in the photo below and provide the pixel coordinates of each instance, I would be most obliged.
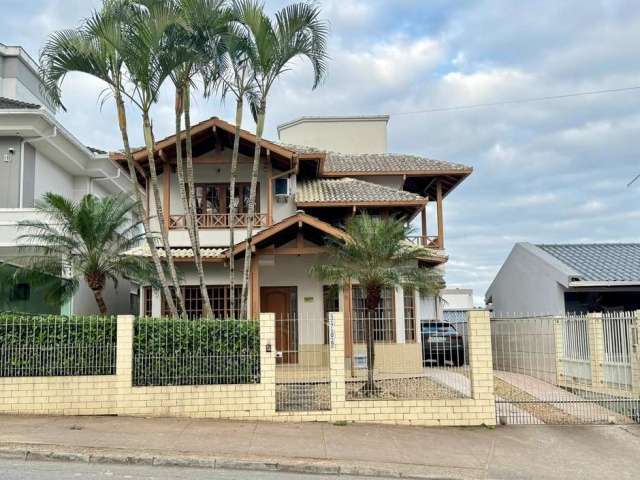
(441, 343)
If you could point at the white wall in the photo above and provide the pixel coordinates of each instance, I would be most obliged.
(526, 284)
(49, 177)
(457, 298)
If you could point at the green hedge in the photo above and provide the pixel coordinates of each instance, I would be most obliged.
(195, 352)
(52, 345)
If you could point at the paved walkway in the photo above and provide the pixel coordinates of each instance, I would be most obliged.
(507, 452)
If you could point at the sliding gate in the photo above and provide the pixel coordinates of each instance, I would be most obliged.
(579, 369)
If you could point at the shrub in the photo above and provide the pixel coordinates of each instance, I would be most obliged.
(53, 345)
(195, 352)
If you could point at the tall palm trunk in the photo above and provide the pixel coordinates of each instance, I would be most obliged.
(164, 234)
(142, 214)
(232, 208)
(190, 217)
(252, 207)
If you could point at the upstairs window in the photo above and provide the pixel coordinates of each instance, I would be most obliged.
(281, 186)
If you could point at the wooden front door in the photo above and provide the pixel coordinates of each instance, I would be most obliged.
(283, 302)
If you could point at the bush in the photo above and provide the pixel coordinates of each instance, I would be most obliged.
(195, 352)
(53, 345)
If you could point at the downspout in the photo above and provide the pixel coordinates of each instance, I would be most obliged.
(22, 144)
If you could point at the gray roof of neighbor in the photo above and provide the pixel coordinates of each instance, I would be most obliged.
(10, 103)
(600, 262)
(378, 162)
(350, 190)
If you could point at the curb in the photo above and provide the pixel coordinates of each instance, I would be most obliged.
(57, 453)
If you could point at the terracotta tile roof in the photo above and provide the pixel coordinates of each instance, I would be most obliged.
(143, 251)
(377, 163)
(327, 190)
(9, 103)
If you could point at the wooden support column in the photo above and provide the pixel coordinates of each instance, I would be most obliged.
(269, 190)
(254, 283)
(423, 215)
(166, 191)
(440, 215)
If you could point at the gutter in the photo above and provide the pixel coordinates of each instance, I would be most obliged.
(611, 283)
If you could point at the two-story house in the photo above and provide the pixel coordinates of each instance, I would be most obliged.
(321, 172)
(38, 155)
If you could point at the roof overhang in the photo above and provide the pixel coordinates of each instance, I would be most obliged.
(282, 231)
(40, 129)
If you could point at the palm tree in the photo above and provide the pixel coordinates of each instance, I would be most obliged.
(94, 49)
(85, 240)
(296, 30)
(190, 44)
(377, 256)
(231, 74)
(148, 65)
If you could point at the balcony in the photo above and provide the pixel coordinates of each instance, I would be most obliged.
(425, 241)
(207, 221)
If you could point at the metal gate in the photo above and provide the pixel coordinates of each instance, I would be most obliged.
(575, 369)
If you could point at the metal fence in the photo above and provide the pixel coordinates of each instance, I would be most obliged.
(195, 352)
(573, 369)
(432, 364)
(303, 375)
(37, 346)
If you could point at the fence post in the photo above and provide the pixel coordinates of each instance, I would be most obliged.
(124, 353)
(268, 360)
(558, 335)
(596, 348)
(336, 359)
(634, 354)
(480, 358)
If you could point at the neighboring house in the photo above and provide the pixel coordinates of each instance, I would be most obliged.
(306, 194)
(37, 155)
(572, 278)
(455, 304)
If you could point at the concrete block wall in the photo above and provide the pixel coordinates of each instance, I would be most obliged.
(115, 395)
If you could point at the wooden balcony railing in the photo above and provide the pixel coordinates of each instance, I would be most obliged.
(425, 241)
(217, 220)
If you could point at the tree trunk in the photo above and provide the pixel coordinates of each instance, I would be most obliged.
(372, 301)
(251, 210)
(97, 294)
(164, 234)
(182, 104)
(141, 212)
(232, 208)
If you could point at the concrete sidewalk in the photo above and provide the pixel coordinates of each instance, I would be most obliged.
(540, 452)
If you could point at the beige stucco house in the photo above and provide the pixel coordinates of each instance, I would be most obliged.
(321, 172)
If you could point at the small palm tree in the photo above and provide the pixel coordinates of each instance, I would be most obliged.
(84, 240)
(95, 49)
(296, 30)
(377, 256)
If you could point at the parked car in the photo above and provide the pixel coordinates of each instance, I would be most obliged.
(441, 343)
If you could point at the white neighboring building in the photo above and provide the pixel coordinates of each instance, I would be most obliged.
(37, 155)
(569, 278)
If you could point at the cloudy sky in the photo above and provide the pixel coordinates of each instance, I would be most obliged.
(553, 171)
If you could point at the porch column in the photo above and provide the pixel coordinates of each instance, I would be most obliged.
(400, 320)
(156, 303)
(423, 218)
(440, 215)
(254, 282)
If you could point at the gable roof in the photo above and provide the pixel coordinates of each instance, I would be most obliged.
(352, 192)
(598, 262)
(10, 104)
